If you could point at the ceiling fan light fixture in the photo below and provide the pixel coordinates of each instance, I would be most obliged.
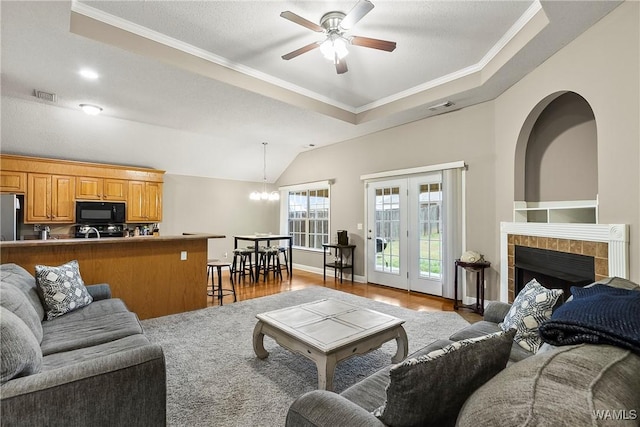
(334, 46)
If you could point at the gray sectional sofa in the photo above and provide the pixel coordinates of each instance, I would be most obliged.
(572, 385)
(90, 367)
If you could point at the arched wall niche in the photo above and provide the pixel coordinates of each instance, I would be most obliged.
(556, 151)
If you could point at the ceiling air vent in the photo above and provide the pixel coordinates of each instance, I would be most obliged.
(45, 96)
(440, 106)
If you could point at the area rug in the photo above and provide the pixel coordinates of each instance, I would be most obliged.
(215, 379)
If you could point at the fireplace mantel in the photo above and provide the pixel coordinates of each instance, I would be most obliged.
(615, 235)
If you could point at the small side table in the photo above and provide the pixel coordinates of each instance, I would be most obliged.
(478, 268)
(341, 262)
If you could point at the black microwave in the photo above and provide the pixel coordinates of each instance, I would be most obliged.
(100, 213)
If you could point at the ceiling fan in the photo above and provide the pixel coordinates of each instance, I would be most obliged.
(335, 25)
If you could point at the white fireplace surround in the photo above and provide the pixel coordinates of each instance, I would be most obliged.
(616, 235)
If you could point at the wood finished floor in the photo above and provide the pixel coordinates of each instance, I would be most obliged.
(301, 279)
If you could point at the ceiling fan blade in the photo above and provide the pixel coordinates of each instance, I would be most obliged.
(341, 66)
(357, 13)
(373, 43)
(300, 51)
(301, 21)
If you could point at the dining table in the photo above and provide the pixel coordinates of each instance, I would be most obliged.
(268, 238)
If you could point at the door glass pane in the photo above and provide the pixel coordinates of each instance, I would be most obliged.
(387, 229)
(430, 226)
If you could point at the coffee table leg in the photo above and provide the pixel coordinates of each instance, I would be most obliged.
(403, 346)
(326, 368)
(258, 341)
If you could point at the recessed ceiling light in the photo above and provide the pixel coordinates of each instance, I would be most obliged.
(89, 74)
(92, 110)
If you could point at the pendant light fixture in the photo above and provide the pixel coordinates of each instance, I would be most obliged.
(264, 195)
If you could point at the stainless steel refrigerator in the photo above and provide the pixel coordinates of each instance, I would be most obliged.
(9, 216)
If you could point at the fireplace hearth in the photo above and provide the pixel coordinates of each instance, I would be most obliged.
(552, 269)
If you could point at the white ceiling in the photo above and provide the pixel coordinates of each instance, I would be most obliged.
(213, 70)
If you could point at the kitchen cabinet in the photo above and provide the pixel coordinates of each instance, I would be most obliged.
(92, 188)
(50, 198)
(13, 182)
(144, 201)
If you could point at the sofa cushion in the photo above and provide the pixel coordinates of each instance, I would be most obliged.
(23, 280)
(533, 305)
(14, 300)
(62, 288)
(560, 387)
(431, 389)
(67, 358)
(371, 392)
(20, 353)
(483, 327)
(62, 334)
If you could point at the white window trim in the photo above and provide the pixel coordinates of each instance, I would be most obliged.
(284, 206)
(460, 164)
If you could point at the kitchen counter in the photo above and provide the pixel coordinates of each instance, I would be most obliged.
(107, 240)
(153, 275)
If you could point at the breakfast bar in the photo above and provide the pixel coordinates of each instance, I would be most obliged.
(154, 275)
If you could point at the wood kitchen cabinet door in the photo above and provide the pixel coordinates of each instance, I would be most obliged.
(63, 198)
(13, 182)
(114, 189)
(144, 201)
(136, 202)
(90, 188)
(38, 207)
(50, 198)
(154, 201)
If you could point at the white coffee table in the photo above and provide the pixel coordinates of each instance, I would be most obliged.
(328, 331)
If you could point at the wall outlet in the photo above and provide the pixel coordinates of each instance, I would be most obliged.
(183, 256)
(359, 226)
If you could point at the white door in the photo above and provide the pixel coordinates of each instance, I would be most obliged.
(425, 234)
(405, 233)
(387, 233)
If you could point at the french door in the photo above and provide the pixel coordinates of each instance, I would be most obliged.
(405, 233)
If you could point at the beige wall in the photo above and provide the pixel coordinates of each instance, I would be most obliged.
(602, 65)
(562, 153)
(217, 206)
(427, 142)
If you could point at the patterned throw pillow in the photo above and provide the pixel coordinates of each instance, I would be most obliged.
(533, 305)
(430, 390)
(62, 288)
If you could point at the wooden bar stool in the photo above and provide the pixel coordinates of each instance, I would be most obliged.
(217, 291)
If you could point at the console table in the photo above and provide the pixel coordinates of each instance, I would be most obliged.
(478, 268)
(340, 262)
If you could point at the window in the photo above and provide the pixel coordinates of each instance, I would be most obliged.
(307, 216)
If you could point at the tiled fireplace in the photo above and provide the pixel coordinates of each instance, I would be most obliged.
(608, 244)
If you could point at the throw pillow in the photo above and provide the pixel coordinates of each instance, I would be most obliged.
(533, 305)
(62, 288)
(21, 354)
(431, 389)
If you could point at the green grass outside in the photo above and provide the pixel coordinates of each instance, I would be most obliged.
(427, 266)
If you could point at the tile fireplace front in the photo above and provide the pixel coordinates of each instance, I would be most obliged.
(607, 243)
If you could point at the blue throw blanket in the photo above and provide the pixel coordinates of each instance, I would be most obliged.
(597, 315)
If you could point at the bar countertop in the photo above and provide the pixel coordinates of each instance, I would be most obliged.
(107, 240)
